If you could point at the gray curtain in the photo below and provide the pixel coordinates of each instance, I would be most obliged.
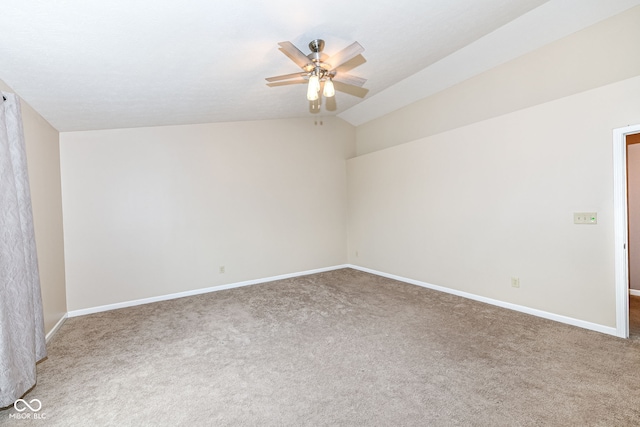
(22, 339)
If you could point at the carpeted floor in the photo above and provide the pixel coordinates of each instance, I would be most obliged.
(342, 348)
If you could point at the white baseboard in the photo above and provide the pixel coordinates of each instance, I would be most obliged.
(523, 309)
(634, 292)
(91, 310)
(539, 313)
(57, 326)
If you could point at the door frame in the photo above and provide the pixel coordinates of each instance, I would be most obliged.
(620, 224)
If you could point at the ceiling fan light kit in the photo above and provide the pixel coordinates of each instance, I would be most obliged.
(320, 69)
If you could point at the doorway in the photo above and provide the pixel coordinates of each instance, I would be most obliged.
(633, 223)
(621, 227)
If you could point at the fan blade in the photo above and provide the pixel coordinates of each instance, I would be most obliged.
(351, 51)
(285, 77)
(349, 79)
(360, 92)
(297, 81)
(294, 54)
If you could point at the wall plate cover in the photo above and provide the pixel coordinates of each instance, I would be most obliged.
(585, 217)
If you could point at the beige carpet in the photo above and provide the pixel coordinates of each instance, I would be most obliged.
(342, 348)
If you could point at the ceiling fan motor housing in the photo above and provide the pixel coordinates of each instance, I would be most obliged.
(317, 58)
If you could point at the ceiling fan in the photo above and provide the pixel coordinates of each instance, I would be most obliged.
(318, 68)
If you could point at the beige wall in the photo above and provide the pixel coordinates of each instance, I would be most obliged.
(43, 161)
(633, 180)
(154, 211)
(598, 55)
(472, 207)
(477, 184)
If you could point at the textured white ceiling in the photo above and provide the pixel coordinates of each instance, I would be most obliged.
(129, 63)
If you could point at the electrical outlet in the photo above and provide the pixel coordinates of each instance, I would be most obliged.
(222, 269)
(515, 282)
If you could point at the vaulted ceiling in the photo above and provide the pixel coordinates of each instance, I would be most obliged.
(120, 63)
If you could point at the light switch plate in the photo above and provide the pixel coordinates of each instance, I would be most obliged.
(585, 217)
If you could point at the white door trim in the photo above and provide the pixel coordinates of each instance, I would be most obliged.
(620, 227)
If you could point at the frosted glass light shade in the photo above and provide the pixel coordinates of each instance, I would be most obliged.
(313, 88)
(329, 90)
